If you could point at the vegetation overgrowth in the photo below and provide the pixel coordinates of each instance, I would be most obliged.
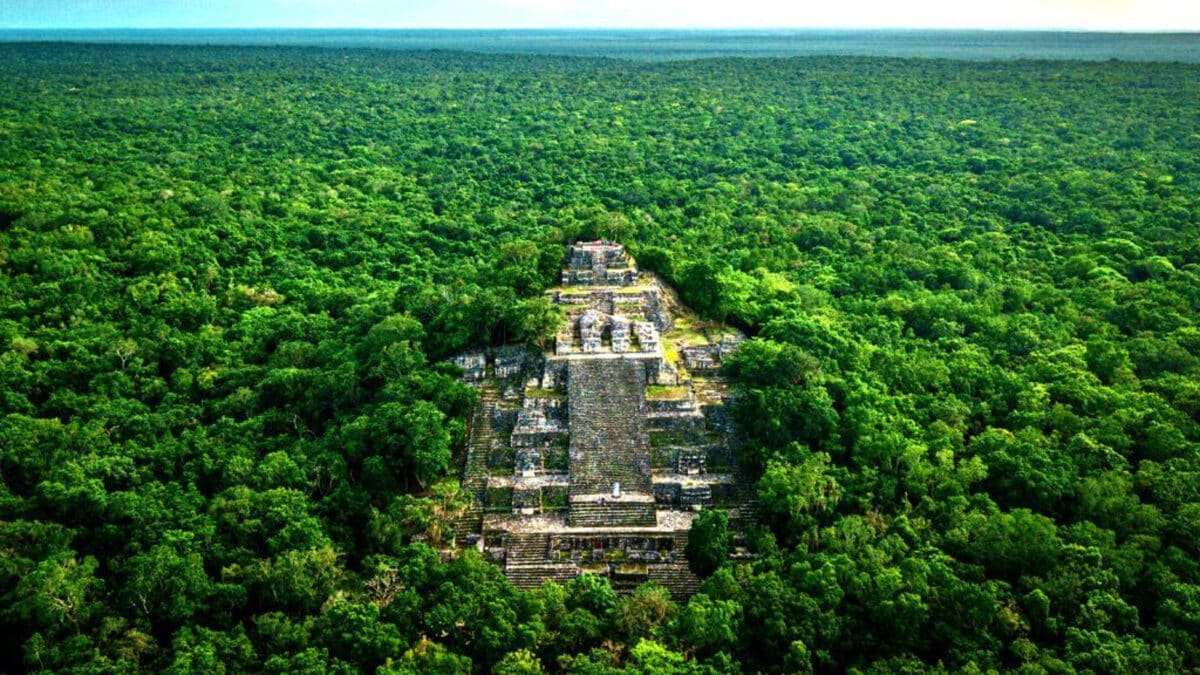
(229, 278)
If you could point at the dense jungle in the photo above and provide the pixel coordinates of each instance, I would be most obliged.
(230, 278)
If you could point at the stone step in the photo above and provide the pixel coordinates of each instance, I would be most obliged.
(525, 548)
(609, 443)
(613, 514)
(677, 579)
(533, 576)
(625, 584)
(481, 438)
(467, 525)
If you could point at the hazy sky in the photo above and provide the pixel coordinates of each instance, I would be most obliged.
(1130, 15)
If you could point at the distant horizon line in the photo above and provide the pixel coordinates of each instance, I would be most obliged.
(897, 29)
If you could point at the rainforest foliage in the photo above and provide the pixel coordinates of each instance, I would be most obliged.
(229, 278)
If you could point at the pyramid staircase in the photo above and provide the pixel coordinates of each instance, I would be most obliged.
(525, 564)
(609, 443)
(677, 579)
(481, 439)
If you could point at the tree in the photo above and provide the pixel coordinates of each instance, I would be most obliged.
(708, 541)
(535, 321)
(1017, 543)
(427, 657)
(1110, 501)
(354, 633)
(589, 605)
(701, 287)
(795, 493)
(58, 593)
(445, 503)
(298, 580)
(520, 662)
(392, 347)
(413, 437)
(202, 650)
(648, 657)
(167, 583)
(641, 614)
(706, 626)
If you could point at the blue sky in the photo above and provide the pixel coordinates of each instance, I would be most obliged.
(1131, 15)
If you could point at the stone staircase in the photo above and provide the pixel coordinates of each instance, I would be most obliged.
(677, 579)
(526, 548)
(526, 564)
(532, 576)
(613, 514)
(609, 442)
(481, 438)
(676, 576)
(744, 509)
(468, 524)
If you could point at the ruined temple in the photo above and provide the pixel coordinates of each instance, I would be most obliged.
(594, 455)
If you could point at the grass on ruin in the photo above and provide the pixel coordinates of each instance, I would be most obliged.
(689, 331)
(664, 393)
(670, 353)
